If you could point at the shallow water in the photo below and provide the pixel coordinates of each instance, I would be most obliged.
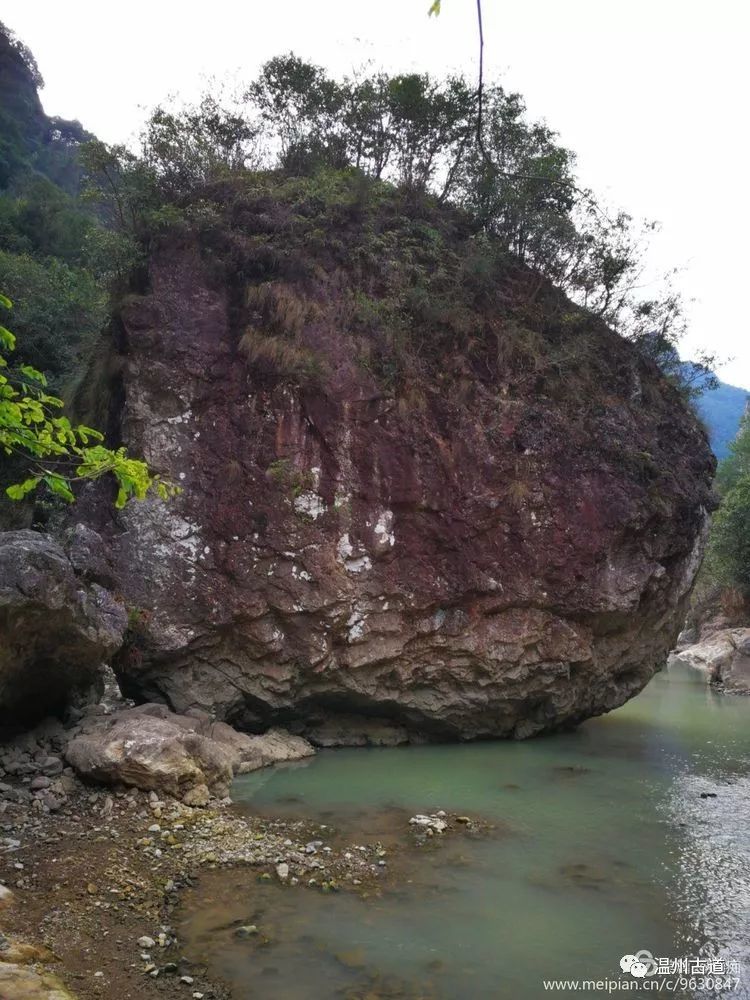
(602, 846)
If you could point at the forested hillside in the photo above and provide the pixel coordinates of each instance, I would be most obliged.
(51, 260)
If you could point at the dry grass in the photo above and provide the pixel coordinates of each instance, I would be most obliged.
(279, 355)
(279, 317)
(278, 307)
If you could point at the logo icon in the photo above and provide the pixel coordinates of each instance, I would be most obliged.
(640, 965)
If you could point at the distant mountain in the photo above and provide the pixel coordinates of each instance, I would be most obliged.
(721, 410)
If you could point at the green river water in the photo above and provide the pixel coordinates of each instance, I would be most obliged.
(602, 846)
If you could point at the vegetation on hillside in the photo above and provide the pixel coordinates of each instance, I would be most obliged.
(724, 581)
(382, 174)
(50, 259)
(516, 190)
(57, 259)
(730, 536)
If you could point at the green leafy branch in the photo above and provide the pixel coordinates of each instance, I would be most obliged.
(58, 453)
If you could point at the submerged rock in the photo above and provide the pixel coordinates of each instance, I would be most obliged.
(57, 627)
(190, 757)
(492, 534)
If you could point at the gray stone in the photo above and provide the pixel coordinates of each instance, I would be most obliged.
(88, 555)
(55, 628)
(51, 766)
(723, 658)
(189, 757)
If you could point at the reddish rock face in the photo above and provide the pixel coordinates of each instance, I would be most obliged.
(477, 562)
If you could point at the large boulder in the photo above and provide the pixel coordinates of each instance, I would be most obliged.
(493, 538)
(189, 757)
(723, 656)
(57, 626)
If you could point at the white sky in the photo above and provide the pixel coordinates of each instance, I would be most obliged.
(651, 94)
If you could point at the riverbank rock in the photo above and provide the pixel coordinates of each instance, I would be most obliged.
(190, 757)
(470, 511)
(724, 657)
(57, 626)
(20, 983)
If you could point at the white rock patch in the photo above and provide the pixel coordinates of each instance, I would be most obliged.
(310, 503)
(384, 535)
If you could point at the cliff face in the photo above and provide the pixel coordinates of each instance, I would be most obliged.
(496, 540)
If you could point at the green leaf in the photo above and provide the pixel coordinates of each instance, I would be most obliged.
(434, 9)
(7, 339)
(5, 301)
(19, 490)
(33, 373)
(59, 486)
(85, 433)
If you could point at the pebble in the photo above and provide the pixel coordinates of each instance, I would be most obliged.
(430, 824)
(51, 766)
(146, 942)
(248, 930)
(282, 870)
(188, 980)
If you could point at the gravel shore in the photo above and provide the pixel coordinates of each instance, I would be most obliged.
(92, 876)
